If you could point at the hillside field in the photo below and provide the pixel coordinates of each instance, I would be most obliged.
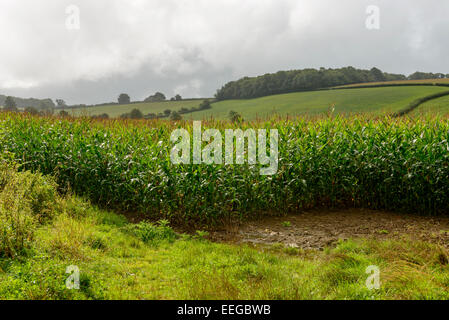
(372, 100)
(438, 106)
(114, 111)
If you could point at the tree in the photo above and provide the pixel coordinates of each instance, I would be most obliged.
(45, 108)
(377, 74)
(178, 97)
(157, 97)
(136, 114)
(124, 99)
(423, 75)
(151, 116)
(183, 110)
(205, 105)
(175, 116)
(101, 116)
(60, 104)
(31, 110)
(235, 116)
(63, 114)
(10, 105)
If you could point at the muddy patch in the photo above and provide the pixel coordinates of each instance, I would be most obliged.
(319, 229)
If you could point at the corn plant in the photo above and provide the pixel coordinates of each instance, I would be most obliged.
(393, 164)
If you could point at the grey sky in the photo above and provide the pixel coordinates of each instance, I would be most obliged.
(193, 47)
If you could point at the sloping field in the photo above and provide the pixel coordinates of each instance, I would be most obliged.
(438, 106)
(114, 111)
(373, 100)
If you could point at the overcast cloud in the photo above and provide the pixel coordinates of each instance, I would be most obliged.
(193, 47)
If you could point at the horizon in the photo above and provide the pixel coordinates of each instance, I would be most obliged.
(115, 102)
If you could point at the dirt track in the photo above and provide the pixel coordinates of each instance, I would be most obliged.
(318, 229)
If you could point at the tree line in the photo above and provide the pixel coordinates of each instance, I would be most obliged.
(42, 107)
(13, 104)
(124, 98)
(309, 79)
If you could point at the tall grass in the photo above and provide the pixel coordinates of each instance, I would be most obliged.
(394, 164)
(26, 201)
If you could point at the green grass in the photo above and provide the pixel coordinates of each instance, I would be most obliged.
(366, 100)
(435, 107)
(119, 260)
(115, 111)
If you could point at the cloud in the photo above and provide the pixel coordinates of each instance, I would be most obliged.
(195, 46)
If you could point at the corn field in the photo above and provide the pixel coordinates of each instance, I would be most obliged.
(393, 164)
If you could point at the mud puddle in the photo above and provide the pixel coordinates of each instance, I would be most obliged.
(318, 229)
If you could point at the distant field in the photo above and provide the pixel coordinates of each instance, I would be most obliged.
(376, 100)
(437, 106)
(426, 81)
(373, 100)
(115, 111)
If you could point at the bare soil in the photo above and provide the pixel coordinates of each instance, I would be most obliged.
(318, 229)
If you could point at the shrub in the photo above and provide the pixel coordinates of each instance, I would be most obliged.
(63, 114)
(26, 200)
(205, 105)
(150, 233)
(175, 116)
(235, 116)
(136, 114)
(31, 110)
(183, 110)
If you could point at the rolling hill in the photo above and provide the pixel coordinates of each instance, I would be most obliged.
(358, 100)
(438, 106)
(373, 100)
(114, 111)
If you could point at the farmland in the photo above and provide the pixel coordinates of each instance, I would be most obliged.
(115, 111)
(123, 166)
(365, 100)
(370, 100)
(438, 106)
(220, 159)
(399, 165)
